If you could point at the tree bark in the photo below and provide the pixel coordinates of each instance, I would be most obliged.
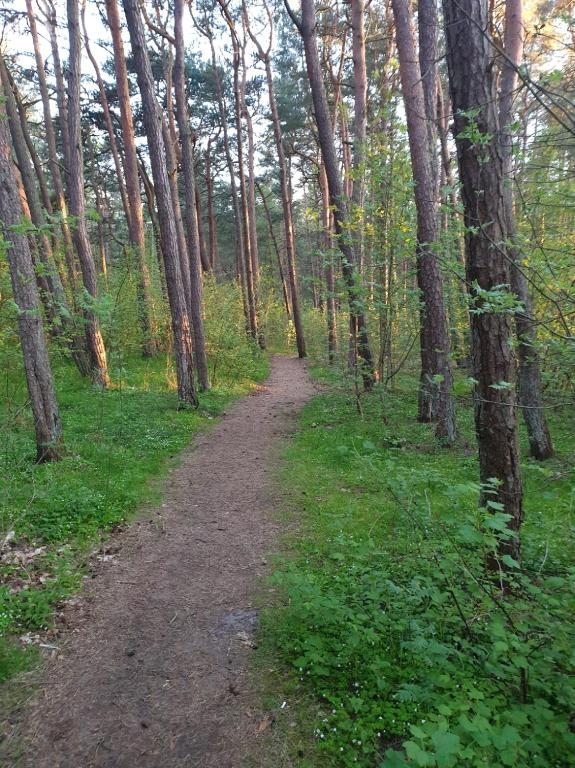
(326, 225)
(277, 252)
(212, 228)
(471, 78)
(130, 161)
(53, 161)
(340, 213)
(94, 340)
(53, 295)
(190, 191)
(359, 123)
(52, 21)
(529, 377)
(39, 379)
(170, 249)
(287, 209)
(239, 242)
(251, 183)
(435, 400)
(243, 190)
(204, 257)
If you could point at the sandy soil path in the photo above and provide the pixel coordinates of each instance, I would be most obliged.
(155, 673)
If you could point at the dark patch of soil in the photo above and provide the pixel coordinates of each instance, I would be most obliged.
(152, 671)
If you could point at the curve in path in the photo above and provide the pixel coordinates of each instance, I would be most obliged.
(155, 675)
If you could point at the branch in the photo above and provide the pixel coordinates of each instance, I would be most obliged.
(293, 17)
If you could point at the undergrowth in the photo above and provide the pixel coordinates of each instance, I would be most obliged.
(388, 620)
(116, 443)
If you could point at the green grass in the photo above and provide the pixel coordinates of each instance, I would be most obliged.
(117, 444)
(394, 644)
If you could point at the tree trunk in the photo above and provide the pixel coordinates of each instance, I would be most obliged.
(287, 209)
(239, 242)
(428, 26)
(329, 272)
(135, 217)
(36, 162)
(171, 149)
(204, 257)
(51, 18)
(53, 161)
(340, 212)
(170, 251)
(277, 252)
(243, 196)
(39, 379)
(251, 184)
(529, 378)
(435, 400)
(95, 342)
(55, 299)
(359, 123)
(471, 79)
(212, 228)
(190, 191)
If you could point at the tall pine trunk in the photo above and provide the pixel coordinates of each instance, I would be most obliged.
(287, 209)
(529, 377)
(435, 398)
(94, 340)
(53, 160)
(191, 216)
(153, 120)
(39, 378)
(130, 162)
(481, 171)
(340, 211)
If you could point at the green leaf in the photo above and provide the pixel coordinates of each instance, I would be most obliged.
(447, 746)
(393, 759)
(415, 753)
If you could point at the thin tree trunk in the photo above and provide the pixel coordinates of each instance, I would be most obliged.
(170, 250)
(212, 228)
(130, 158)
(287, 208)
(95, 342)
(340, 212)
(529, 377)
(239, 242)
(251, 185)
(471, 78)
(39, 378)
(171, 149)
(53, 161)
(51, 18)
(435, 399)
(151, 203)
(55, 299)
(107, 119)
(326, 224)
(277, 252)
(204, 258)
(243, 196)
(36, 162)
(359, 123)
(190, 191)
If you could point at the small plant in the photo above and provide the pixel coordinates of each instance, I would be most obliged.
(391, 618)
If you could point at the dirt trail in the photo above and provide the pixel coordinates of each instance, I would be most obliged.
(154, 676)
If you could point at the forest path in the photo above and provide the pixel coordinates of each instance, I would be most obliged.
(154, 673)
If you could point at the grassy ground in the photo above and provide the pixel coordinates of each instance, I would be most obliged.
(390, 642)
(117, 443)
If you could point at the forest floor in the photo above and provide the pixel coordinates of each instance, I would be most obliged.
(153, 670)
